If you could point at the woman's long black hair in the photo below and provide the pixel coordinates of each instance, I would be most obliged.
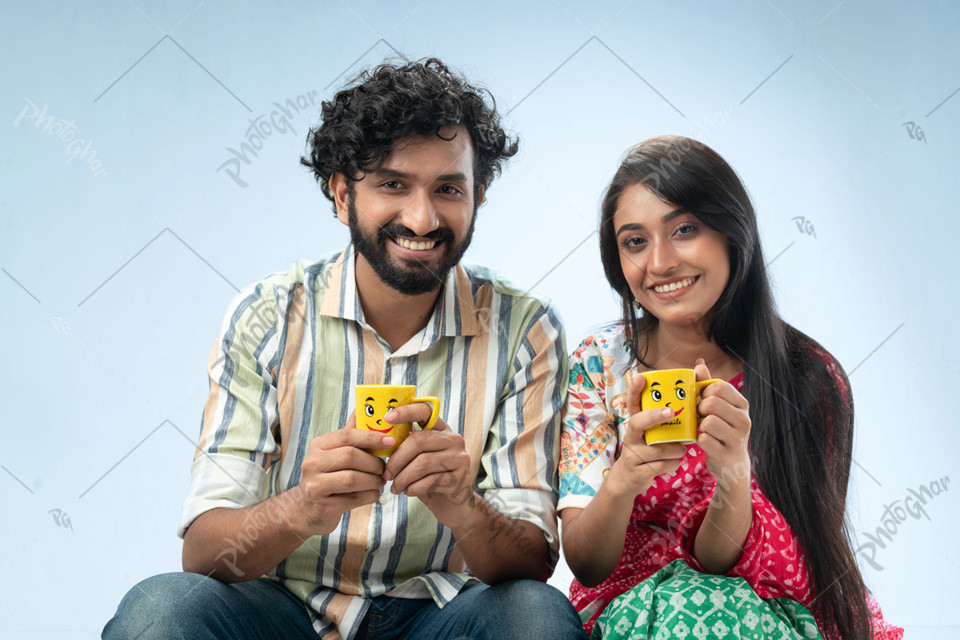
(801, 436)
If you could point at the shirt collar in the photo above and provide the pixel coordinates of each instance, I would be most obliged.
(455, 313)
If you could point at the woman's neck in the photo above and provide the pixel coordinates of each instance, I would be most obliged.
(678, 347)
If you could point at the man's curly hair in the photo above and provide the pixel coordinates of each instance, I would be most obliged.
(362, 123)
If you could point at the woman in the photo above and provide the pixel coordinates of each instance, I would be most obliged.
(742, 532)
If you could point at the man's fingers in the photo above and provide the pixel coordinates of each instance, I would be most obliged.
(351, 437)
(344, 459)
(336, 483)
(346, 501)
(420, 443)
(417, 412)
(440, 483)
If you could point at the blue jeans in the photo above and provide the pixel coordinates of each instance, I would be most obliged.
(176, 606)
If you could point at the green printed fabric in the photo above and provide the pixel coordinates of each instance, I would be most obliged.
(679, 602)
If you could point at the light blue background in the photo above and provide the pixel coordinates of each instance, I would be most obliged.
(113, 285)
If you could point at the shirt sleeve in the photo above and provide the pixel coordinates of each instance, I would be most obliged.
(519, 462)
(771, 562)
(588, 441)
(237, 441)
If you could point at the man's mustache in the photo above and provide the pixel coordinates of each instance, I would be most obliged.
(442, 234)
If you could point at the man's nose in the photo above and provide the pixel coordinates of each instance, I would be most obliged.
(419, 214)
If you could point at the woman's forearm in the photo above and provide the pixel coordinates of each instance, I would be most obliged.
(719, 542)
(593, 537)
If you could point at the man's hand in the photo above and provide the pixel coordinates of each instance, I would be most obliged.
(639, 463)
(337, 475)
(433, 466)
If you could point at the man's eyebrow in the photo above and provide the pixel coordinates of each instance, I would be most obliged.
(665, 219)
(383, 173)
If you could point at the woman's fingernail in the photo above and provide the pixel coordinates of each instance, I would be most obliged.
(387, 475)
(666, 412)
(390, 415)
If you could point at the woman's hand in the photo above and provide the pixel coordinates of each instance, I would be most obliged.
(725, 438)
(639, 463)
(725, 429)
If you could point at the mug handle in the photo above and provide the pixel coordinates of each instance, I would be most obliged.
(700, 385)
(434, 414)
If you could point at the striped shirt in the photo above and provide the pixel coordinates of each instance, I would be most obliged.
(282, 371)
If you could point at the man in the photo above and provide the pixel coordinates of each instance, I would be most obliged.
(292, 529)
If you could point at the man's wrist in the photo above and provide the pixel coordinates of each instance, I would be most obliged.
(475, 514)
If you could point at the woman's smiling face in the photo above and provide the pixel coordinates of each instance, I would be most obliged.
(676, 266)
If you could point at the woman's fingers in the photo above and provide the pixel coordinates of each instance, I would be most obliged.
(643, 420)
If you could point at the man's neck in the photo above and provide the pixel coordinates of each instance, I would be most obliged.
(673, 347)
(395, 317)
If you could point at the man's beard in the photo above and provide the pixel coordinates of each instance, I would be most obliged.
(410, 276)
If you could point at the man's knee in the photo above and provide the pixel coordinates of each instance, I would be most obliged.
(157, 607)
(535, 610)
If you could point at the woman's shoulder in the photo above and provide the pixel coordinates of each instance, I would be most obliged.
(604, 350)
(609, 338)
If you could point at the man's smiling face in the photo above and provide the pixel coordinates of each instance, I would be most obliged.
(412, 219)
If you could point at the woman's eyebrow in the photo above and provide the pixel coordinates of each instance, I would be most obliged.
(667, 217)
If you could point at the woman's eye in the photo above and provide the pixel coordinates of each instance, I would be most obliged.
(655, 394)
(634, 243)
(368, 409)
(685, 229)
(681, 394)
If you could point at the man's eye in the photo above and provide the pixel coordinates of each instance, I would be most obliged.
(447, 189)
(392, 184)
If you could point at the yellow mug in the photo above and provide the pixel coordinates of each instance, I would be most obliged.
(677, 389)
(375, 400)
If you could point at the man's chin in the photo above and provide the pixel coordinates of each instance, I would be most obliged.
(412, 280)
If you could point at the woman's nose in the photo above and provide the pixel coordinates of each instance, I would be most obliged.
(663, 257)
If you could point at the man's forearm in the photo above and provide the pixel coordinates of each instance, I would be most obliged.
(236, 545)
(498, 548)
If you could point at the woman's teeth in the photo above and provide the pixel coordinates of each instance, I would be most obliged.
(673, 286)
(416, 246)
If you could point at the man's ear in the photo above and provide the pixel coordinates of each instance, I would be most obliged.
(480, 195)
(338, 187)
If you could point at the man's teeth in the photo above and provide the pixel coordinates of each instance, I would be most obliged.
(416, 246)
(673, 286)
